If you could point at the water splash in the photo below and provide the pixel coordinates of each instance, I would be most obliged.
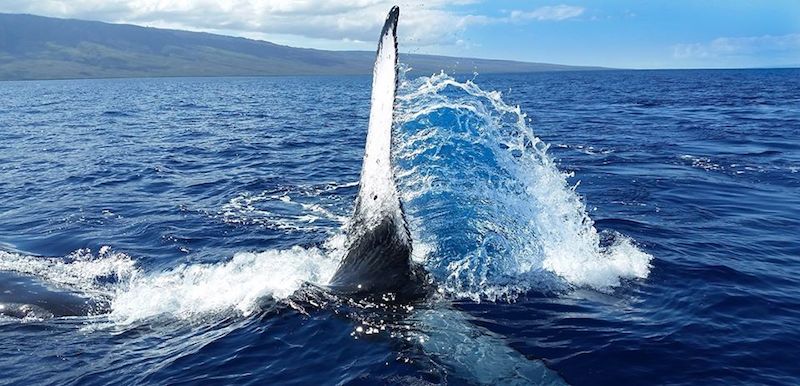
(239, 285)
(80, 270)
(482, 193)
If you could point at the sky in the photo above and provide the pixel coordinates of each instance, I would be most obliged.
(615, 33)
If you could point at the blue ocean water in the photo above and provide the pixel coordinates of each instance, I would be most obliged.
(618, 227)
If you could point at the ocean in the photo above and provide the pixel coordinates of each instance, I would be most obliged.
(589, 228)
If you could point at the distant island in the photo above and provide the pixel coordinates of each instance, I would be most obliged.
(36, 47)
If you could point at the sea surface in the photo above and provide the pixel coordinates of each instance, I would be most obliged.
(609, 227)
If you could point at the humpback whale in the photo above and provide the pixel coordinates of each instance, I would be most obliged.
(378, 257)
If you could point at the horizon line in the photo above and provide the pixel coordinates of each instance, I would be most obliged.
(589, 67)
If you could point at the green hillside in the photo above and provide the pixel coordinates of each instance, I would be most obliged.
(35, 47)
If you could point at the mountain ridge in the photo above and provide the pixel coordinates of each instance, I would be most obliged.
(37, 47)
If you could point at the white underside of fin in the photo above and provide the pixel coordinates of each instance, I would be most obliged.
(377, 196)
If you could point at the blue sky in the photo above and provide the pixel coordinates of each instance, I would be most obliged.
(649, 34)
(654, 34)
(620, 33)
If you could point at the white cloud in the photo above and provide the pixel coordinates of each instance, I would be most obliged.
(425, 23)
(741, 47)
(550, 12)
(341, 22)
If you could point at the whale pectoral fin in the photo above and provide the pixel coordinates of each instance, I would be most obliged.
(379, 253)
